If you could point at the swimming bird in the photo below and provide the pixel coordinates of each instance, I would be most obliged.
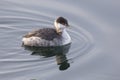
(56, 36)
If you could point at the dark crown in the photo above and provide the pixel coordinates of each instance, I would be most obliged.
(62, 20)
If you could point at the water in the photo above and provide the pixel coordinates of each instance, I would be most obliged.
(95, 48)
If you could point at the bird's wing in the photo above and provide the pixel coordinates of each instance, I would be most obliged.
(45, 33)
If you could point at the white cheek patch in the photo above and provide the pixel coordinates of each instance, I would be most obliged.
(60, 27)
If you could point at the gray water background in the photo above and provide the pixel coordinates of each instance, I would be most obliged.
(95, 30)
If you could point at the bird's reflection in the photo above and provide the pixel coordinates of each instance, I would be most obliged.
(58, 51)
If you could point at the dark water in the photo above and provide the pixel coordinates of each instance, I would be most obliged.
(95, 50)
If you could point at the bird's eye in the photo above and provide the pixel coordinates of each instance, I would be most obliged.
(63, 23)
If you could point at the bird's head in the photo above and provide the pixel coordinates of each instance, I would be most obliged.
(60, 24)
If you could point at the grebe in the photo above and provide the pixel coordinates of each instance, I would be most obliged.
(45, 37)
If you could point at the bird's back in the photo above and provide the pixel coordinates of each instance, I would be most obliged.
(42, 37)
(45, 33)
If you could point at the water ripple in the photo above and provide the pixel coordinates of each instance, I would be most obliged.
(14, 23)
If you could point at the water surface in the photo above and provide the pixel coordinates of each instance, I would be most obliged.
(95, 48)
